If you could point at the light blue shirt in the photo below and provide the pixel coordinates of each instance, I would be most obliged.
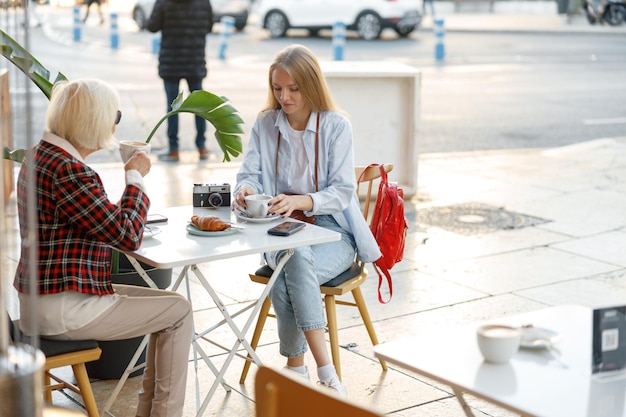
(336, 181)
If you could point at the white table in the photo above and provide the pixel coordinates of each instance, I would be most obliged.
(174, 247)
(534, 382)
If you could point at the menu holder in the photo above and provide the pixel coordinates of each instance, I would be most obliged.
(609, 339)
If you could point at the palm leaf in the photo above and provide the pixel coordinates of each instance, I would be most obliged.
(216, 110)
(27, 63)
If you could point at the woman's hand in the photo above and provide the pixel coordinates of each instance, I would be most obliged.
(139, 161)
(284, 204)
(240, 197)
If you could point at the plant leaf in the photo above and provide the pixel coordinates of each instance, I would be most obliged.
(217, 111)
(28, 64)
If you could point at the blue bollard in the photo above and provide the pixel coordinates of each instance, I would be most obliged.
(339, 40)
(440, 50)
(156, 45)
(228, 24)
(115, 36)
(77, 29)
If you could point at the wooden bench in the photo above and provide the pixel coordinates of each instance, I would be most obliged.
(457, 4)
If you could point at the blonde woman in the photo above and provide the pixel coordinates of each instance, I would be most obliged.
(76, 226)
(301, 152)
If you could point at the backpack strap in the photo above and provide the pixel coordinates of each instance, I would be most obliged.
(385, 272)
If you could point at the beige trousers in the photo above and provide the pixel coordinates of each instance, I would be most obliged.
(167, 317)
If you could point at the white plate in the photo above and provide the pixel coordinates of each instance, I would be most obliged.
(149, 231)
(193, 230)
(538, 338)
(269, 218)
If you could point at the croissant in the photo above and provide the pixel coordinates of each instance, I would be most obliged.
(209, 223)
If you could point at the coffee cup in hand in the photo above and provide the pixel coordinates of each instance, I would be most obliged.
(498, 343)
(128, 148)
(257, 205)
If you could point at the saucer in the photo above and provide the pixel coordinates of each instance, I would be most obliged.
(150, 231)
(538, 338)
(269, 218)
(193, 230)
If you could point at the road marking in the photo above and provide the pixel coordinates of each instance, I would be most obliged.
(610, 121)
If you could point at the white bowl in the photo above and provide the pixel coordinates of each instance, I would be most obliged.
(498, 343)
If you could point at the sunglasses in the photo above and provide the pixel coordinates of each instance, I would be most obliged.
(118, 117)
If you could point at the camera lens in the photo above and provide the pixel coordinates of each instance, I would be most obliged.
(215, 200)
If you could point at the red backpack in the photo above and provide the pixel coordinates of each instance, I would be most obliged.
(389, 227)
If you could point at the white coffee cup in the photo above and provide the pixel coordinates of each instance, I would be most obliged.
(128, 148)
(257, 205)
(497, 342)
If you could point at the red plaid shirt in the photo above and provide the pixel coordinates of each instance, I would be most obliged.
(77, 223)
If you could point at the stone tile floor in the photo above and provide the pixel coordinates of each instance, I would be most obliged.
(446, 278)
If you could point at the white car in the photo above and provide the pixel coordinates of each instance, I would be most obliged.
(238, 9)
(367, 17)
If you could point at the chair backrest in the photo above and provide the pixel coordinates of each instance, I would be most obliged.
(369, 178)
(281, 395)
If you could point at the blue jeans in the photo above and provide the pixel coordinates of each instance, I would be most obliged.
(171, 91)
(296, 293)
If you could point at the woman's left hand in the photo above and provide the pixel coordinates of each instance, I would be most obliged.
(285, 205)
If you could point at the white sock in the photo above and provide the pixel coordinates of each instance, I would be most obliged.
(299, 369)
(326, 371)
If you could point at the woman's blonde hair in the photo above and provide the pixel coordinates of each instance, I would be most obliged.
(83, 112)
(301, 64)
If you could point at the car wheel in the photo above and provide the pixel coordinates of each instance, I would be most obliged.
(276, 23)
(368, 25)
(241, 23)
(139, 17)
(614, 16)
(404, 30)
(590, 17)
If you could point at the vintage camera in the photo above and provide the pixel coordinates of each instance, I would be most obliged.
(211, 195)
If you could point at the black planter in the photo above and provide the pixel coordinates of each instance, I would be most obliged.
(117, 354)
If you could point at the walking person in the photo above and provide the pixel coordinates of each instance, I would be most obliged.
(77, 225)
(98, 4)
(301, 152)
(184, 25)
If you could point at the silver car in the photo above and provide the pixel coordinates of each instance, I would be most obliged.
(238, 9)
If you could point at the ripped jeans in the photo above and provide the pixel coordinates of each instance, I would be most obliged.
(296, 294)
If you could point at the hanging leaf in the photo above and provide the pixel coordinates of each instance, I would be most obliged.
(27, 63)
(216, 110)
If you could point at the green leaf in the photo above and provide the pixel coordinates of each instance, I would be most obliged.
(15, 156)
(217, 111)
(28, 64)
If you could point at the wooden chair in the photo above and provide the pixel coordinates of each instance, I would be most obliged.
(348, 281)
(281, 395)
(60, 353)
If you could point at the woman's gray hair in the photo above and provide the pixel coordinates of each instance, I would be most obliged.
(83, 112)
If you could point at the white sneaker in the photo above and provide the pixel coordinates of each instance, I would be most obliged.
(333, 383)
(305, 375)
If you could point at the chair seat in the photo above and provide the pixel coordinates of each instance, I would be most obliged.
(354, 270)
(52, 347)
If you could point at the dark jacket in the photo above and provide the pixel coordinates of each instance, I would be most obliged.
(184, 25)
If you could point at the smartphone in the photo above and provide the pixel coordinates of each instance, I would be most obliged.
(286, 228)
(156, 218)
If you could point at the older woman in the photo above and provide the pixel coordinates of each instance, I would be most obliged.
(76, 225)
